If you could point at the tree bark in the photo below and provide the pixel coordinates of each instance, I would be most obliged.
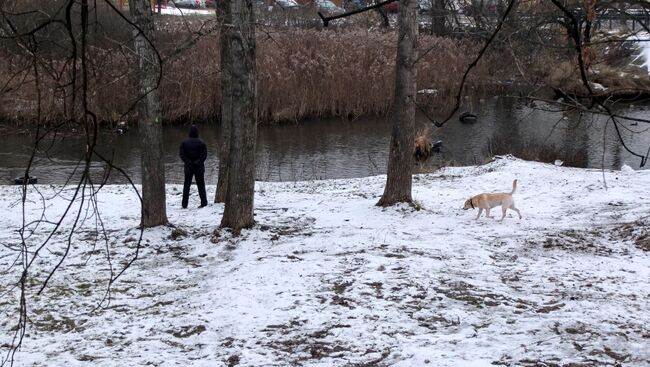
(385, 22)
(225, 17)
(239, 65)
(154, 211)
(400, 159)
(224, 150)
(438, 17)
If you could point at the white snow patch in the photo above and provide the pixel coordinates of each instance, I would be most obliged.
(326, 278)
(626, 168)
(597, 86)
(642, 42)
(181, 11)
(428, 91)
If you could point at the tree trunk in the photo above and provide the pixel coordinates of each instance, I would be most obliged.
(400, 160)
(239, 65)
(438, 15)
(385, 22)
(225, 17)
(154, 212)
(224, 150)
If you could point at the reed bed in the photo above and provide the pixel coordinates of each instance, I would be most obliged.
(302, 73)
(613, 73)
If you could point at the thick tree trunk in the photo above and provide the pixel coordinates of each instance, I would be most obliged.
(225, 17)
(154, 210)
(400, 160)
(224, 150)
(438, 15)
(241, 70)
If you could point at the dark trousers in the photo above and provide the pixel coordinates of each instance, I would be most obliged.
(200, 184)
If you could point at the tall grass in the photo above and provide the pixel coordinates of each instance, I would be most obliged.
(301, 73)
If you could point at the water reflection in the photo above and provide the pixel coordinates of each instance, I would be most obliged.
(342, 149)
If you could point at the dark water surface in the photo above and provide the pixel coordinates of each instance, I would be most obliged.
(343, 149)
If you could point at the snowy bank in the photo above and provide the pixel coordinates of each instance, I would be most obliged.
(184, 11)
(328, 279)
(641, 41)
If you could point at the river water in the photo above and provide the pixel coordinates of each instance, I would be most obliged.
(338, 148)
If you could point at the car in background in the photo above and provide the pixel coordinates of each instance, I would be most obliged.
(189, 4)
(392, 7)
(326, 6)
(287, 4)
(354, 4)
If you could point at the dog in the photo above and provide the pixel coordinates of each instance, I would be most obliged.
(487, 201)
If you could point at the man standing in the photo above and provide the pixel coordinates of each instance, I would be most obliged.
(193, 153)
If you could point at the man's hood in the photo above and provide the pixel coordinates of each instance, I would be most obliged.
(194, 131)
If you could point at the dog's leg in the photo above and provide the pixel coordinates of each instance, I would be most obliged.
(512, 206)
(487, 213)
(503, 212)
(480, 210)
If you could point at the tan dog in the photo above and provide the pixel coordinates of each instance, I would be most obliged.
(489, 201)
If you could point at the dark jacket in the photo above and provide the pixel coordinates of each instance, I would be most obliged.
(193, 152)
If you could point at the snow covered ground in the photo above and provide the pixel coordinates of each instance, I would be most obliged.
(326, 278)
(185, 12)
(643, 57)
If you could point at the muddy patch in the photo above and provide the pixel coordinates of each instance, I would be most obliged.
(637, 232)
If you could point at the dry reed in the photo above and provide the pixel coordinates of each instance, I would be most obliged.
(611, 73)
(301, 73)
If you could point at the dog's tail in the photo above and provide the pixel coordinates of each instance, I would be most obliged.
(514, 187)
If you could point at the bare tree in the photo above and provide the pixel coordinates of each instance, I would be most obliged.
(439, 17)
(148, 64)
(238, 67)
(225, 16)
(400, 159)
(71, 19)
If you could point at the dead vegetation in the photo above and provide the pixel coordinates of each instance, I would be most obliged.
(605, 82)
(302, 345)
(585, 241)
(638, 232)
(612, 73)
(187, 331)
(301, 73)
(473, 296)
(643, 241)
(177, 233)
